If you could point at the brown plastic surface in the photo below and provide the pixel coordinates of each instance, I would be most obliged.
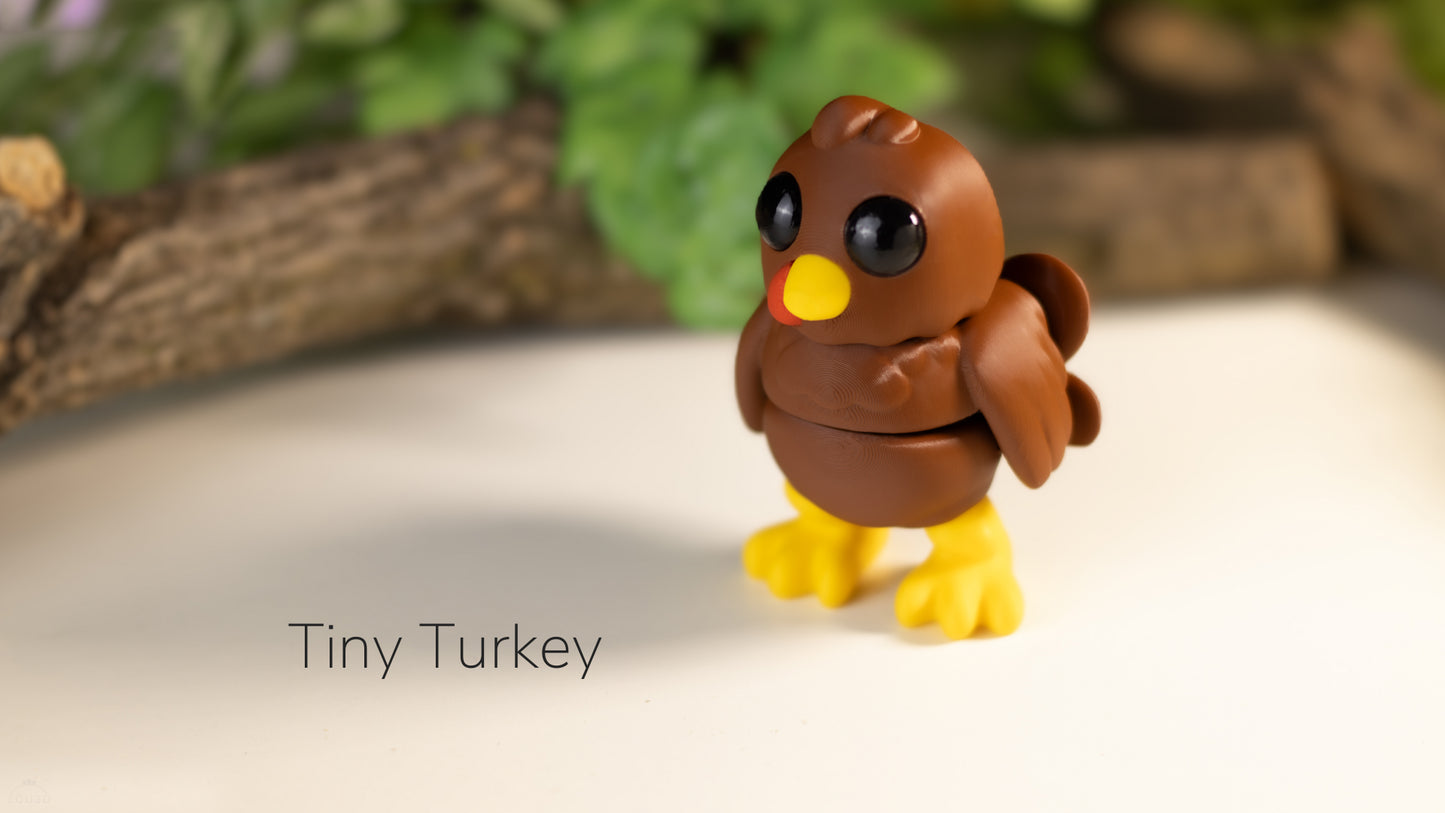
(896, 412)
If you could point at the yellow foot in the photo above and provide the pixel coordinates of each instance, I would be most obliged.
(815, 553)
(967, 581)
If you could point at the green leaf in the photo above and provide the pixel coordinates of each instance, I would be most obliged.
(725, 152)
(1421, 26)
(682, 209)
(267, 16)
(481, 84)
(22, 70)
(383, 66)
(604, 41)
(204, 32)
(673, 165)
(603, 132)
(433, 72)
(122, 137)
(851, 54)
(1057, 11)
(352, 23)
(773, 16)
(534, 15)
(1060, 64)
(497, 40)
(715, 300)
(414, 99)
(265, 117)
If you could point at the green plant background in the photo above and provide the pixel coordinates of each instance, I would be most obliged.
(672, 111)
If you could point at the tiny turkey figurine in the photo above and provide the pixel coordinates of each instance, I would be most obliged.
(896, 358)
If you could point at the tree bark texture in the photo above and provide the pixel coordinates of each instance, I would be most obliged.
(1165, 216)
(461, 223)
(1380, 131)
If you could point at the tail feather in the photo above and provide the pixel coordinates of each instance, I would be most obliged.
(1058, 288)
(1066, 308)
(1085, 406)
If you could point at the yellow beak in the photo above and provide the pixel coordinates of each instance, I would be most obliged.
(815, 288)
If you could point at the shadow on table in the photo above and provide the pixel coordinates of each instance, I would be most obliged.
(1407, 305)
(38, 436)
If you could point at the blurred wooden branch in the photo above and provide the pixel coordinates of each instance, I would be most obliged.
(1381, 133)
(460, 224)
(39, 221)
(1164, 216)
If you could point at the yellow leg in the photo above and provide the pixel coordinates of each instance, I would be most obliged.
(967, 581)
(815, 553)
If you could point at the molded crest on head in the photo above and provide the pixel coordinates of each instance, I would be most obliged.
(849, 117)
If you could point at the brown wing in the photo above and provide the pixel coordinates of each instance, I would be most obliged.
(748, 370)
(1059, 290)
(1015, 373)
(1066, 308)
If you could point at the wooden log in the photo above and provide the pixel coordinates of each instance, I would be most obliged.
(457, 224)
(39, 221)
(1380, 131)
(1166, 216)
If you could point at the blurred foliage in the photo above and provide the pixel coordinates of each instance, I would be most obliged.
(153, 89)
(673, 110)
(1419, 24)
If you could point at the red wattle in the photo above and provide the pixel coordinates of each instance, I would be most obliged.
(776, 307)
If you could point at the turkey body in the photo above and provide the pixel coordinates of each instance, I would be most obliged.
(877, 436)
(909, 435)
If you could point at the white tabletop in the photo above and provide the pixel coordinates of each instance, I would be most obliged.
(1236, 598)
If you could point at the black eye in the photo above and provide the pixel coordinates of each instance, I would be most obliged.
(884, 236)
(780, 211)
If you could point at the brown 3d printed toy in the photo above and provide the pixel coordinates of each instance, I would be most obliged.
(897, 355)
